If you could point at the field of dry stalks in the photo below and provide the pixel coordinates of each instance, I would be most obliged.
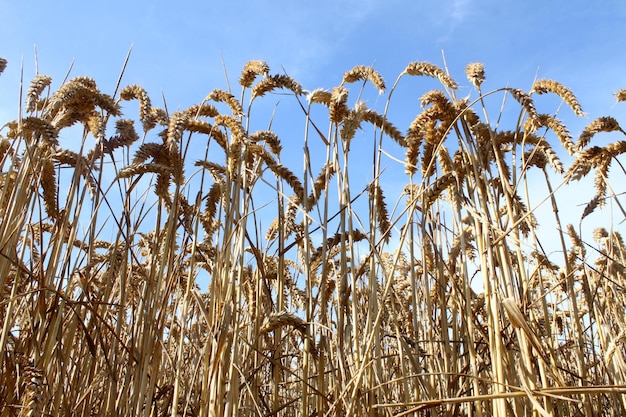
(184, 264)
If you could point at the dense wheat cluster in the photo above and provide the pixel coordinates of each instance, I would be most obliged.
(182, 264)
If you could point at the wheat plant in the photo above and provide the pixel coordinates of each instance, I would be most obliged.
(185, 264)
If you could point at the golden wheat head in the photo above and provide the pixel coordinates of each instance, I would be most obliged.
(601, 124)
(338, 108)
(251, 70)
(229, 99)
(475, 73)
(363, 73)
(37, 85)
(319, 95)
(620, 95)
(274, 82)
(135, 92)
(554, 124)
(550, 86)
(430, 70)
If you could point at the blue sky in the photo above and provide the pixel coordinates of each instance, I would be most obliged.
(178, 47)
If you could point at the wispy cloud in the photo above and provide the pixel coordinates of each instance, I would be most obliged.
(453, 15)
(459, 10)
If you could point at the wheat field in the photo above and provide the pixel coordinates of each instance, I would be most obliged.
(184, 264)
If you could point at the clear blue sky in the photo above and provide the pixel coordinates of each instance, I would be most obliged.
(178, 46)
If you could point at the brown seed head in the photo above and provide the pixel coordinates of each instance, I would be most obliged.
(525, 101)
(553, 124)
(49, 187)
(338, 108)
(602, 124)
(352, 121)
(475, 73)
(535, 158)
(363, 73)
(276, 81)
(202, 110)
(226, 97)
(276, 320)
(428, 69)
(251, 70)
(551, 86)
(435, 98)
(600, 234)
(34, 129)
(96, 125)
(320, 184)
(319, 96)
(382, 215)
(270, 138)
(126, 134)
(145, 114)
(37, 85)
(383, 124)
(620, 95)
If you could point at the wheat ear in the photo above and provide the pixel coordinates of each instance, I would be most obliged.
(125, 134)
(382, 215)
(524, 100)
(430, 70)
(556, 126)
(251, 70)
(475, 73)
(620, 95)
(34, 129)
(270, 138)
(37, 85)
(363, 73)
(319, 96)
(49, 187)
(145, 106)
(229, 99)
(550, 86)
(338, 108)
(601, 124)
(386, 126)
(274, 82)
